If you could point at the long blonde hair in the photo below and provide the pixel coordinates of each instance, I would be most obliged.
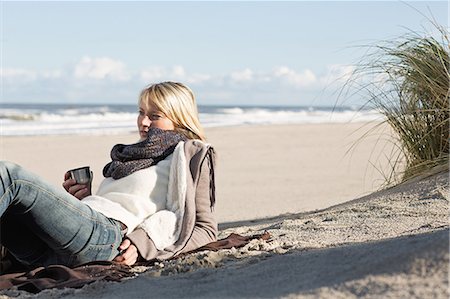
(177, 102)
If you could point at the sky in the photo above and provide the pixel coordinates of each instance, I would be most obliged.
(268, 53)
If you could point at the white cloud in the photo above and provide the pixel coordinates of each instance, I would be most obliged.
(101, 68)
(152, 74)
(52, 74)
(337, 74)
(198, 78)
(244, 75)
(303, 79)
(104, 68)
(282, 83)
(178, 71)
(158, 73)
(18, 74)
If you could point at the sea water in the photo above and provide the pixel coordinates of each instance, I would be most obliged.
(63, 119)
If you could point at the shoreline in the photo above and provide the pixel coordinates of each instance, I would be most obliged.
(205, 127)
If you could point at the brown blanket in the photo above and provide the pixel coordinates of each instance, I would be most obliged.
(59, 276)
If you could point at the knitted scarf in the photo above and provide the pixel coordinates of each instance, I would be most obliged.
(127, 159)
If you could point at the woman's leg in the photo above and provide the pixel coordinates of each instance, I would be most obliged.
(27, 247)
(70, 231)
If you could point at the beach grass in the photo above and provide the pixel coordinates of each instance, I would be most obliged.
(407, 80)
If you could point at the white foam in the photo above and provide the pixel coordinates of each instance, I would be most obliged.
(103, 120)
(306, 116)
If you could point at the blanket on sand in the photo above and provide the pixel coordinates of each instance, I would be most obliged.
(59, 276)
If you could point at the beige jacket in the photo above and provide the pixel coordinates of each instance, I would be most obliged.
(199, 224)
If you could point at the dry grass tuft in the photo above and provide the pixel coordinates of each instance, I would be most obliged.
(407, 80)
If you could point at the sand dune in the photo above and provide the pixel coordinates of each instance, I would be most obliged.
(405, 267)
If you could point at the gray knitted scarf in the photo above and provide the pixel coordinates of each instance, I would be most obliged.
(127, 159)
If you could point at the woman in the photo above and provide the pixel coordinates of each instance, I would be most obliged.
(155, 202)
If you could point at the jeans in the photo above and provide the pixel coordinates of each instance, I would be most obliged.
(43, 225)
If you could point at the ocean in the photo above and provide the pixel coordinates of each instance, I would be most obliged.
(80, 119)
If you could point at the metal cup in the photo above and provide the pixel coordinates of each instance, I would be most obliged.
(81, 175)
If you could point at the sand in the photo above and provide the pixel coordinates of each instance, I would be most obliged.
(262, 170)
(327, 239)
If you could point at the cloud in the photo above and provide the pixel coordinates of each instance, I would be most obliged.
(52, 74)
(175, 73)
(101, 68)
(108, 69)
(178, 71)
(244, 75)
(152, 74)
(337, 74)
(158, 73)
(280, 76)
(299, 79)
(198, 78)
(12, 74)
(104, 78)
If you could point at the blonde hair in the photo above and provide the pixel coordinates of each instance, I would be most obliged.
(177, 102)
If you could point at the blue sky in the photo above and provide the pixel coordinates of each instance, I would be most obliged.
(248, 53)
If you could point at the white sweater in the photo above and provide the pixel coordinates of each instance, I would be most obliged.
(146, 199)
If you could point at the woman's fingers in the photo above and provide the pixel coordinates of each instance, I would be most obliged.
(77, 190)
(125, 244)
(82, 193)
(66, 176)
(129, 255)
(68, 182)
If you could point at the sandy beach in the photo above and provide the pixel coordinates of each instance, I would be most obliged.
(262, 170)
(332, 234)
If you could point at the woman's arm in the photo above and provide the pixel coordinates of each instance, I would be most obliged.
(205, 228)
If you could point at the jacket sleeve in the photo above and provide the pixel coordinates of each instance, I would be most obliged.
(205, 229)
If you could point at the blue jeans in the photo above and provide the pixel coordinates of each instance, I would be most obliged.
(43, 225)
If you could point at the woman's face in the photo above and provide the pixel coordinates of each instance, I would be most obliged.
(152, 118)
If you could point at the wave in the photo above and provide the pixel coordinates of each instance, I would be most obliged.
(249, 116)
(17, 120)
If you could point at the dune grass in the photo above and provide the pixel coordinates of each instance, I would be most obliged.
(407, 80)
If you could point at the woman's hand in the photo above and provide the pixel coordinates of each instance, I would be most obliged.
(77, 190)
(129, 253)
